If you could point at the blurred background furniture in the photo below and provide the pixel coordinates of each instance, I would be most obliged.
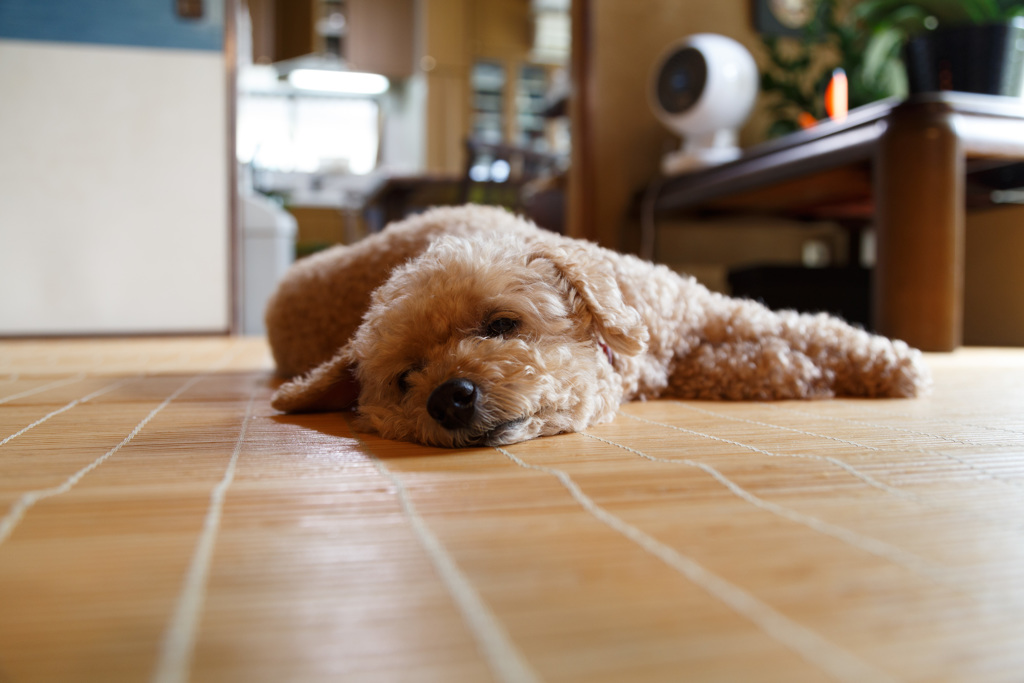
(909, 168)
(520, 179)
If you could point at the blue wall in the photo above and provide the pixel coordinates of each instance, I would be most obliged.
(144, 23)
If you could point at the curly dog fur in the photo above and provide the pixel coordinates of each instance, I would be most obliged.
(471, 326)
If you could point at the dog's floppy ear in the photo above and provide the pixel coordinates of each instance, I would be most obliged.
(328, 387)
(594, 282)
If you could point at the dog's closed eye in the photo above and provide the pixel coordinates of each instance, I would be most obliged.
(501, 326)
(403, 381)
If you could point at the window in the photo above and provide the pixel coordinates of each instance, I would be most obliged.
(308, 133)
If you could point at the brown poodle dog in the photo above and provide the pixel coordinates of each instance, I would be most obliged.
(470, 326)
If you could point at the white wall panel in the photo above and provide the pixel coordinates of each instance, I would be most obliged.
(113, 189)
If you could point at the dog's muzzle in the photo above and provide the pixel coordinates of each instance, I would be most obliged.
(453, 404)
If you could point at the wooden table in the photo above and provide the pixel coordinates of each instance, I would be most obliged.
(159, 521)
(912, 159)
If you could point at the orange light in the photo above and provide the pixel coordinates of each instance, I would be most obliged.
(837, 98)
(805, 119)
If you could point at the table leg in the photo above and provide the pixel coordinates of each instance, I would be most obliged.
(919, 200)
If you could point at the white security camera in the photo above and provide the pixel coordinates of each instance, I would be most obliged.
(704, 88)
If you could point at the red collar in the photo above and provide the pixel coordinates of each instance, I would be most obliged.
(608, 353)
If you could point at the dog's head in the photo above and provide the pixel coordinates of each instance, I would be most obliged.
(482, 341)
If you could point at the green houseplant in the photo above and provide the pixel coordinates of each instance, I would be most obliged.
(894, 47)
(967, 45)
(895, 20)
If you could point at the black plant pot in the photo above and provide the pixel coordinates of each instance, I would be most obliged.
(984, 59)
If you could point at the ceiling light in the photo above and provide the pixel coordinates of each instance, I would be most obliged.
(345, 82)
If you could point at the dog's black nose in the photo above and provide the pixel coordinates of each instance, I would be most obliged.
(453, 404)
